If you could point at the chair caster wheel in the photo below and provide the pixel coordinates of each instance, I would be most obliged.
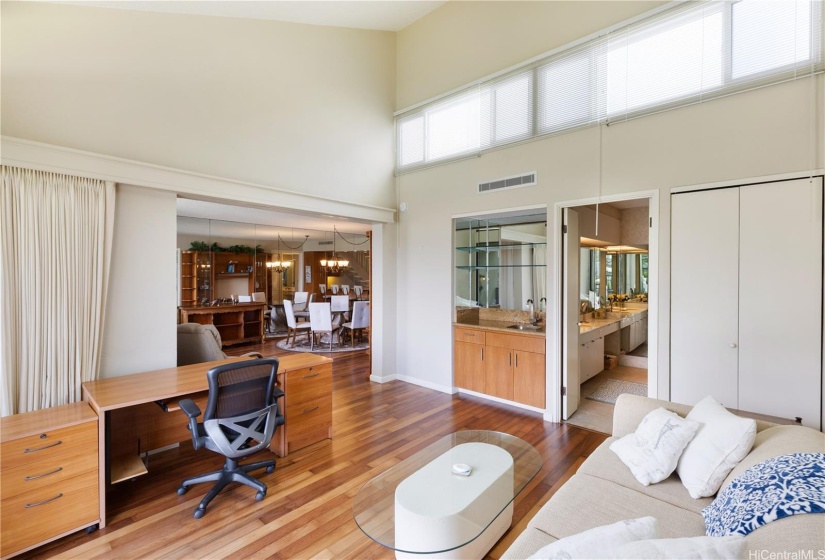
(92, 528)
(270, 470)
(182, 490)
(260, 496)
(199, 513)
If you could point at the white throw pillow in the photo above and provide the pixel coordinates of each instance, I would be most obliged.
(690, 548)
(599, 542)
(653, 450)
(720, 444)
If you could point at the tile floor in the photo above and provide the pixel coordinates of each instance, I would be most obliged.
(598, 416)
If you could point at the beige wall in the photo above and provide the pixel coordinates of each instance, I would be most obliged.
(141, 307)
(293, 106)
(464, 41)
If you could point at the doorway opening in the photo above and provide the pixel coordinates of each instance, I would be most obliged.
(608, 286)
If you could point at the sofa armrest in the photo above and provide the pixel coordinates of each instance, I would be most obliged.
(631, 409)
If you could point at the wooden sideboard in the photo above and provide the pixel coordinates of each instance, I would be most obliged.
(48, 476)
(241, 322)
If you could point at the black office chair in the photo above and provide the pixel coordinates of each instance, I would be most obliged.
(241, 416)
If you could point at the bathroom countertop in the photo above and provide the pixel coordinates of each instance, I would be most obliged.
(613, 318)
(500, 326)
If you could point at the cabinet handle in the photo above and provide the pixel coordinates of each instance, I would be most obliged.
(311, 375)
(44, 501)
(516, 360)
(35, 477)
(509, 359)
(41, 448)
(308, 410)
(482, 354)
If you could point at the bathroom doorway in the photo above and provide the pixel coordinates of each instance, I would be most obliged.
(608, 273)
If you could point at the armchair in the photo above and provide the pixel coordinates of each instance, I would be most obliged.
(201, 343)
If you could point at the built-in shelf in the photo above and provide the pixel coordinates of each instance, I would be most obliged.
(233, 274)
(499, 248)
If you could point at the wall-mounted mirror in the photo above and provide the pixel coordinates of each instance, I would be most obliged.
(500, 261)
(608, 272)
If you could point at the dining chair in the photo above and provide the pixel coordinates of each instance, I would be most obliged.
(334, 289)
(293, 326)
(323, 289)
(300, 303)
(340, 306)
(320, 320)
(360, 320)
(358, 291)
(260, 297)
(345, 289)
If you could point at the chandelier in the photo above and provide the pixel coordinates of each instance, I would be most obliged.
(280, 265)
(334, 265)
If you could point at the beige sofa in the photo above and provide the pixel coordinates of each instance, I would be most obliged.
(604, 491)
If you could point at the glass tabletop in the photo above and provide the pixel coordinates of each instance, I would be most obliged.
(423, 490)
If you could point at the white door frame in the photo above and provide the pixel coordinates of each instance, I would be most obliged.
(554, 405)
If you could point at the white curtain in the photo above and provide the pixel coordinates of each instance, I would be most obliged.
(54, 266)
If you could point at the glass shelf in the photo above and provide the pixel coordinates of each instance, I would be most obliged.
(483, 267)
(497, 248)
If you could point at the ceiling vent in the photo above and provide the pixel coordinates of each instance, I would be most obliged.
(514, 182)
(325, 243)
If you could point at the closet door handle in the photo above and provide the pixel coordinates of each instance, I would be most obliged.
(732, 345)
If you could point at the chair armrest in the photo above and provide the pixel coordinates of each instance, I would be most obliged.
(253, 355)
(189, 408)
(277, 393)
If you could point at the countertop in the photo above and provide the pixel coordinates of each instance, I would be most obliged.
(499, 326)
(613, 317)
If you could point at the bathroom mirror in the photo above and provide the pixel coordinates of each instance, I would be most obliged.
(608, 273)
(500, 261)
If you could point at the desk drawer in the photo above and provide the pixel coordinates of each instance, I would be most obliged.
(48, 514)
(308, 423)
(308, 384)
(50, 446)
(49, 471)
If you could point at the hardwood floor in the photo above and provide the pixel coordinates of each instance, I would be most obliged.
(307, 512)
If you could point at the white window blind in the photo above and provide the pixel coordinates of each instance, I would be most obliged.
(690, 53)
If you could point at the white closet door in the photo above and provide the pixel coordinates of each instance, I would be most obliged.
(704, 296)
(780, 310)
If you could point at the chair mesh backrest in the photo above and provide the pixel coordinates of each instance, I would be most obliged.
(361, 315)
(340, 303)
(290, 314)
(240, 388)
(320, 318)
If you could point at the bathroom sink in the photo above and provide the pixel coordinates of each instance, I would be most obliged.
(525, 328)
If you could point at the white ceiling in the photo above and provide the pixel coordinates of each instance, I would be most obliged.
(381, 15)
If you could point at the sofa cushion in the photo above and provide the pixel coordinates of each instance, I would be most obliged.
(653, 450)
(528, 542)
(722, 441)
(604, 464)
(587, 501)
(600, 541)
(776, 441)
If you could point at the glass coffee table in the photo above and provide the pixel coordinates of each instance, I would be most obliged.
(428, 505)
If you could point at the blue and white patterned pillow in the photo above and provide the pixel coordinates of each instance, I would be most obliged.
(776, 488)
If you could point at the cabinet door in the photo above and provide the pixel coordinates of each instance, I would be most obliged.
(498, 367)
(704, 283)
(529, 379)
(469, 366)
(780, 300)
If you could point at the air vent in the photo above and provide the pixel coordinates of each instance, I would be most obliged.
(325, 243)
(514, 182)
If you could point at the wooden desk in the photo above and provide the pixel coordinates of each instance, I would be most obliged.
(131, 422)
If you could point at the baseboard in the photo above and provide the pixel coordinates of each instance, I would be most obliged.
(426, 384)
(383, 379)
(502, 401)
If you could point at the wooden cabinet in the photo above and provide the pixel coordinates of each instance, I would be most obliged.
(503, 365)
(307, 407)
(237, 323)
(591, 357)
(48, 475)
(735, 335)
